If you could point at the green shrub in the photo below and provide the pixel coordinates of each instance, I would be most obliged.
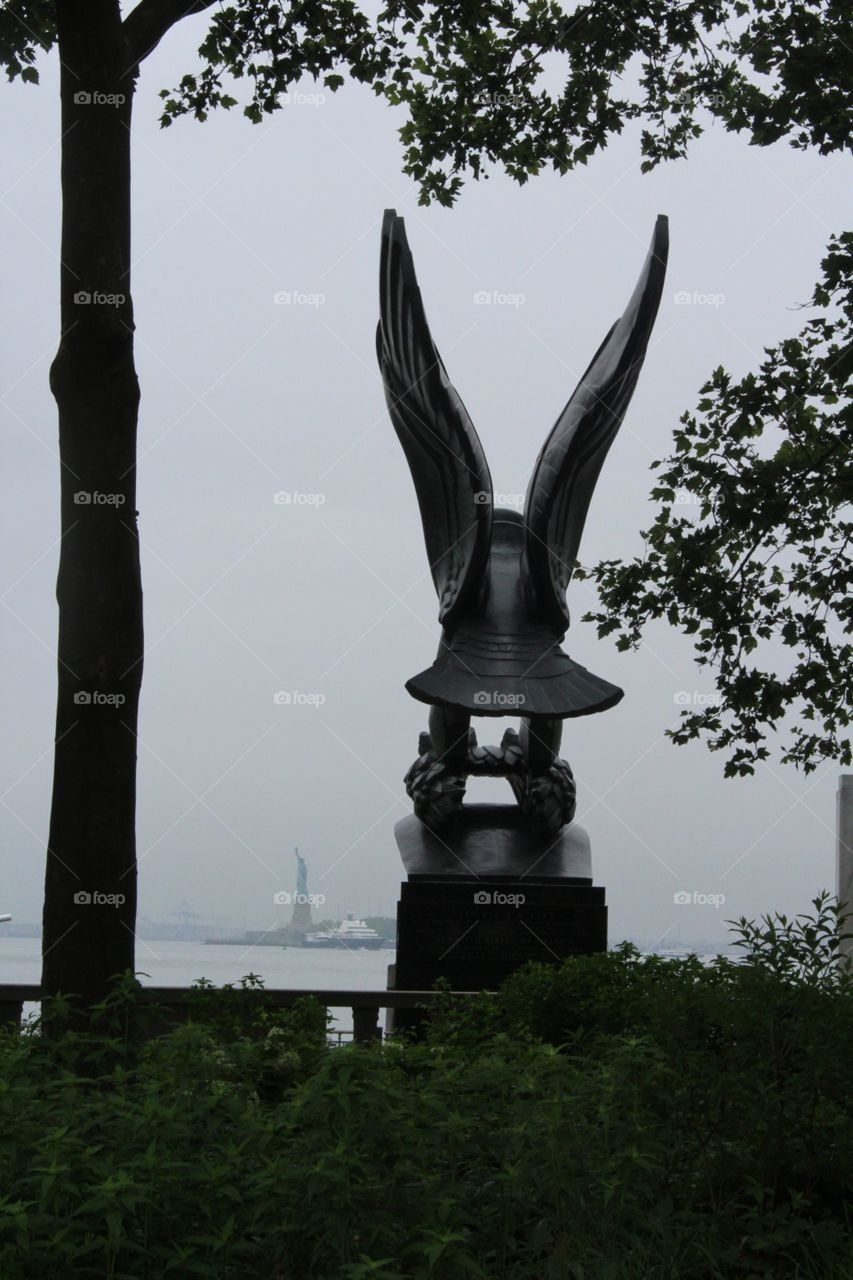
(614, 1117)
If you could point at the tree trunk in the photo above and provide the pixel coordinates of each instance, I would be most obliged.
(90, 888)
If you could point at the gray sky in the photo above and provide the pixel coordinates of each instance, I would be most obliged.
(243, 398)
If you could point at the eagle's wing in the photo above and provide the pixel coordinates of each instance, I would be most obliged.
(567, 468)
(446, 459)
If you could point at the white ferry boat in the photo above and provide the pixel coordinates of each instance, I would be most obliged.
(350, 934)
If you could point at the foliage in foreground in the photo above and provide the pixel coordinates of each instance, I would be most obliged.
(615, 1117)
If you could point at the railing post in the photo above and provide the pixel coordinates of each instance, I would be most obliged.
(365, 1023)
(11, 1011)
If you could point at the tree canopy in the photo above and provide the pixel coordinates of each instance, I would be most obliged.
(477, 76)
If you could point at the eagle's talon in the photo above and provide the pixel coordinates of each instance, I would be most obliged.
(550, 799)
(435, 792)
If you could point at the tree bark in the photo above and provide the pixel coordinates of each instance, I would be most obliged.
(90, 887)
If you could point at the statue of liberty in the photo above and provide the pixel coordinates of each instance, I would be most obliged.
(301, 877)
(300, 917)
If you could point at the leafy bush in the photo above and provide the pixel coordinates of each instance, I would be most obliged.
(618, 1116)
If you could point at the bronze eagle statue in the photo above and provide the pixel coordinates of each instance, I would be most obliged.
(501, 576)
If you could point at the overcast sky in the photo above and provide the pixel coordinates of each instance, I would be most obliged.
(244, 398)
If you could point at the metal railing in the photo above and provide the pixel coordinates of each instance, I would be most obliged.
(172, 1001)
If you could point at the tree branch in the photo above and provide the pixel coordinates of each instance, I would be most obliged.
(145, 26)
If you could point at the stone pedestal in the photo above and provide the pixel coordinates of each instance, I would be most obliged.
(486, 895)
(300, 917)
